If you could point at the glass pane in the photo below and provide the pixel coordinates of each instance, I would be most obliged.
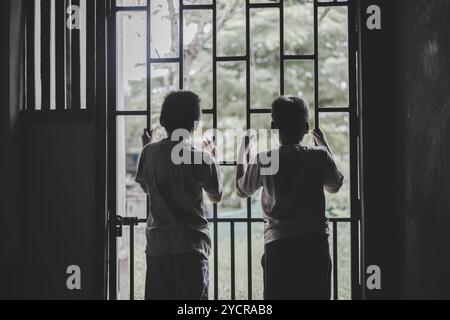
(131, 61)
(188, 2)
(344, 262)
(140, 261)
(331, 244)
(299, 81)
(299, 27)
(198, 54)
(257, 253)
(264, 1)
(231, 80)
(265, 57)
(231, 28)
(131, 200)
(126, 3)
(231, 206)
(241, 253)
(211, 265)
(333, 57)
(224, 263)
(336, 128)
(165, 29)
(165, 78)
(123, 265)
(265, 139)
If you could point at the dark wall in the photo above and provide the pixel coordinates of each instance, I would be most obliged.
(406, 124)
(424, 124)
(58, 195)
(11, 93)
(52, 185)
(381, 221)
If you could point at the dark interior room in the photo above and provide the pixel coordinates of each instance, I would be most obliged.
(81, 81)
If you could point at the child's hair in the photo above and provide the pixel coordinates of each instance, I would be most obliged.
(290, 115)
(180, 110)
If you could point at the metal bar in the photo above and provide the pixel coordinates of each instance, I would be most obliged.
(215, 115)
(60, 30)
(181, 45)
(197, 6)
(264, 5)
(233, 262)
(216, 254)
(316, 65)
(335, 262)
(333, 110)
(90, 53)
(45, 53)
(31, 89)
(112, 75)
(101, 137)
(354, 138)
(248, 123)
(281, 21)
(131, 262)
(76, 65)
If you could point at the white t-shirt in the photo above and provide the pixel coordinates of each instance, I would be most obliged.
(177, 221)
(293, 199)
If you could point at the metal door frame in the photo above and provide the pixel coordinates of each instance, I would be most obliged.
(116, 222)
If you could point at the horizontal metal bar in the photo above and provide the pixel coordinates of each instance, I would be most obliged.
(264, 5)
(130, 8)
(333, 110)
(299, 57)
(260, 111)
(256, 220)
(132, 113)
(332, 4)
(165, 60)
(231, 59)
(197, 7)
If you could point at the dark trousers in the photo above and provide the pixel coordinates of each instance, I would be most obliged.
(177, 277)
(298, 269)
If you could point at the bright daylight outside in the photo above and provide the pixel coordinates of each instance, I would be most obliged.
(197, 51)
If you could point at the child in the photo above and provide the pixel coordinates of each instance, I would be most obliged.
(178, 241)
(297, 262)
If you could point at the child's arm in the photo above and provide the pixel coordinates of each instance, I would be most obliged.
(213, 185)
(146, 138)
(333, 178)
(242, 169)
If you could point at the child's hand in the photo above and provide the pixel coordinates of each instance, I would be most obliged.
(147, 137)
(319, 138)
(247, 143)
(209, 146)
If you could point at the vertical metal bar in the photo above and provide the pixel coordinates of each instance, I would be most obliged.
(45, 53)
(233, 262)
(132, 261)
(215, 115)
(112, 74)
(181, 44)
(316, 64)
(149, 69)
(335, 261)
(248, 122)
(101, 137)
(60, 30)
(216, 255)
(76, 65)
(90, 53)
(31, 89)
(354, 136)
(281, 47)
